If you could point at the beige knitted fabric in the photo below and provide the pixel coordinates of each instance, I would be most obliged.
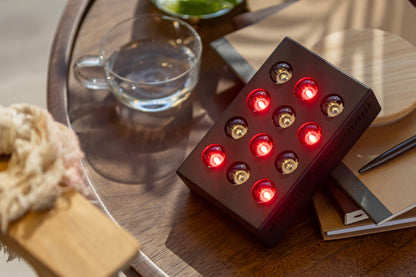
(44, 162)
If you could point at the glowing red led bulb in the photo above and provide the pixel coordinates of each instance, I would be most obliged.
(263, 191)
(261, 145)
(306, 88)
(258, 100)
(213, 155)
(310, 133)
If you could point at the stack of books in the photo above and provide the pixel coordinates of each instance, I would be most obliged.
(384, 198)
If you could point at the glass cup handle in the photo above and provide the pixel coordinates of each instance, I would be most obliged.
(89, 81)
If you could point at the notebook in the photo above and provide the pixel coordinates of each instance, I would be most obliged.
(332, 227)
(390, 189)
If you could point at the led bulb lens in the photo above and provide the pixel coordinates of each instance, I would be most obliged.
(310, 133)
(238, 131)
(287, 162)
(312, 137)
(284, 117)
(213, 156)
(263, 148)
(236, 128)
(216, 159)
(240, 176)
(281, 73)
(306, 88)
(238, 173)
(332, 106)
(258, 100)
(264, 191)
(261, 145)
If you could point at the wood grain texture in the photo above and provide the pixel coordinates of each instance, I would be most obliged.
(133, 170)
(256, 15)
(73, 239)
(383, 61)
(58, 69)
(372, 40)
(255, 5)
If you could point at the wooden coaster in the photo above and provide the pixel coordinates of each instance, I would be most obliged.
(382, 60)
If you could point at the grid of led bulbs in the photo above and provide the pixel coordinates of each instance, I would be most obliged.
(261, 144)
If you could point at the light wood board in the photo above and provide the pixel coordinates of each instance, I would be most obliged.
(73, 239)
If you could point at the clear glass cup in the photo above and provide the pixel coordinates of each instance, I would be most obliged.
(196, 9)
(151, 62)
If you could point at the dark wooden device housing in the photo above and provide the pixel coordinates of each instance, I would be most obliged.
(270, 220)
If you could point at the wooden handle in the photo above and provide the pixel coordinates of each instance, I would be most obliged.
(73, 239)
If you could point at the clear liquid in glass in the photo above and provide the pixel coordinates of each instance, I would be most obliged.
(152, 75)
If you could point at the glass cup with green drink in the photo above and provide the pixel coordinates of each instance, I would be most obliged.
(196, 9)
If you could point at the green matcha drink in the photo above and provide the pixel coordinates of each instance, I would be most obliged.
(196, 9)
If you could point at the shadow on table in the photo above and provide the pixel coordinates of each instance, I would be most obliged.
(209, 241)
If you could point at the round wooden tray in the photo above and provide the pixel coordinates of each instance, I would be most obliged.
(133, 171)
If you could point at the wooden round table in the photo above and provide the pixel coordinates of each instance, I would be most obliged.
(133, 170)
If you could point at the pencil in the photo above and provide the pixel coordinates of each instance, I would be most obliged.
(390, 154)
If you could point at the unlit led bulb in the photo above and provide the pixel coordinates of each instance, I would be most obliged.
(284, 116)
(238, 173)
(287, 162)
(281, 73)
(332, 105)
(236, 128)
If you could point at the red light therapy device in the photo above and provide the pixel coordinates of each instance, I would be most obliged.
(279, 140)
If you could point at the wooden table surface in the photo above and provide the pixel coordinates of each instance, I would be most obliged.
(133, 171)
